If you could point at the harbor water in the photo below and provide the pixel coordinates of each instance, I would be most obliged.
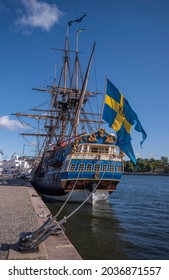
(133, 224)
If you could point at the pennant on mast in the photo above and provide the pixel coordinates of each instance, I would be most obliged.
(76, 20)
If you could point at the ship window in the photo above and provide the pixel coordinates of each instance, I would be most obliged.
(103, 150)
(111, 168)
(94, 149)
(100, 150)
(84, 149)
(72, 167)
(81, 167)
(113, 151)
(119, 169)
(104, 167)
(89, 167)
(97, 167)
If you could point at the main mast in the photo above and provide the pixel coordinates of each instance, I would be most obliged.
(81, 100)
(63, 103)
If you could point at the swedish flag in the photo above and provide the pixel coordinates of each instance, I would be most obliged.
(121, 117)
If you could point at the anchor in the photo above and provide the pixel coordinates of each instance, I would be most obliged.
(29, 241)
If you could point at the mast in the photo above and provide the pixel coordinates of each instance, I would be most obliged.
(66, 64)
(77, 61)
(77, 69)
(84, 86)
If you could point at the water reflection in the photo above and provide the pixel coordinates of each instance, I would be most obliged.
(133, 225)
(93, 230)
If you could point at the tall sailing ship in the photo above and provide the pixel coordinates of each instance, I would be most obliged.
(78, 160)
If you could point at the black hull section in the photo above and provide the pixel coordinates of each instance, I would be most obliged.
(47, 190)
(50, 191)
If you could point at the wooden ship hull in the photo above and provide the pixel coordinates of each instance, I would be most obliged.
(92, 166)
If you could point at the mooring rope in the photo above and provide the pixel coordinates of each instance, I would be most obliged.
(70, 193)
(76, 209)
(60, 210)
(31, 240)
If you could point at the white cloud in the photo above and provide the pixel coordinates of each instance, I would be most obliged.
(6, 122)
(38, 14)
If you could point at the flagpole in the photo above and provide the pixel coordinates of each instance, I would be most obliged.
(103, 101)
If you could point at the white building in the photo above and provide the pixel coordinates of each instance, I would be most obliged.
(15, 165)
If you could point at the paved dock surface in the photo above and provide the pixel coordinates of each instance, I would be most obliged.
(22, 210)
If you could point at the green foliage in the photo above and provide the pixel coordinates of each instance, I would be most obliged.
(159, 166)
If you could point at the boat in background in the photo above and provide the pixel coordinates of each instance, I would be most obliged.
(78, 161)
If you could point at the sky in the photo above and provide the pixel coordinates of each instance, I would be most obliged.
(132, 50)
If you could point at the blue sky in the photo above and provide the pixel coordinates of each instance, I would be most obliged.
(132, 49)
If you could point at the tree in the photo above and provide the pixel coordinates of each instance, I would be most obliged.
(164, 160)
(149, 165)
(166, 169)
(129, 166)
